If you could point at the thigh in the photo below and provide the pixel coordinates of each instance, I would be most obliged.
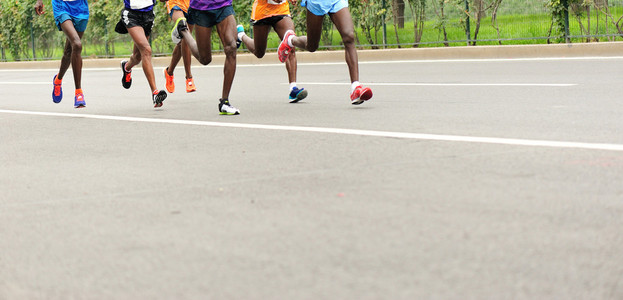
(283, 25)
(227, 30)
(343, 21)
(138, 36)
(314, 28)
(260, 36)
(203, 37)
(70, 31)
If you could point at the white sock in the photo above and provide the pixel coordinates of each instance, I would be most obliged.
(240, 35)
(292, 85)
(354, 85)
(290, 40)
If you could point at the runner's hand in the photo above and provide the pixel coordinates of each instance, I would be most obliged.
(39, 8)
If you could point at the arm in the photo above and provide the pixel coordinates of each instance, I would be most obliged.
(39, 8)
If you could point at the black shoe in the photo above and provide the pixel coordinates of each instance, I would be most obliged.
(126, 80)
(159, 98)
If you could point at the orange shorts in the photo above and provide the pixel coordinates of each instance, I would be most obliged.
(182, 4)
(262, 9)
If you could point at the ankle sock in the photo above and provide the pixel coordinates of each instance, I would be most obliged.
(78, 91)
(58, 81)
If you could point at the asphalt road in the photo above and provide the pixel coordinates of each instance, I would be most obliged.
(460, 179)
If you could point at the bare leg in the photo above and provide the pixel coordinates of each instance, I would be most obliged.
(186, 55)
(201, 49)
(73, 53)
(344, 24)
(257, 44)
(142, 52)
(314, 31)
(281, 27)
(227, 32)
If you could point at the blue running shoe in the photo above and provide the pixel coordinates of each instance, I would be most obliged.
(79, 101)
(57, 93)
(297, 95)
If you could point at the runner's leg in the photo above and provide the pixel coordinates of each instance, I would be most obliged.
(227, 33)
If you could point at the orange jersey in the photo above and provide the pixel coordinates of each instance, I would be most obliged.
(183, 4)
(262, 9)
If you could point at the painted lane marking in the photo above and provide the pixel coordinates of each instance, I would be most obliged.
(371, 133)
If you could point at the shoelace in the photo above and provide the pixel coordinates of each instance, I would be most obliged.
(57, 90)
(128, 76)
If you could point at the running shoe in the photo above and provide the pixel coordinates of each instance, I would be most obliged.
(239, 29)
(57, 92)
(190, 85)
(297, 95)
(126, 80)
(285, 49)
(170, 85)
(176, 32)
(226, 109)
(79, 101)
(159, 98)
(360, 94)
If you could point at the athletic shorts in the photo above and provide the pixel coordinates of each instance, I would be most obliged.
(132, 18)
(209, 18)
(323, 7)
(174, 8)
(79, 24)
(270, 21)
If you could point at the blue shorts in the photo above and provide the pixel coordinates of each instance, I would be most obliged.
(180, 9)
(79, 24)
(209, 18)
(323, 7)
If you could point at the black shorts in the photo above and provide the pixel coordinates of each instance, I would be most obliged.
(209, 18)
(132, 18)
(270, 21)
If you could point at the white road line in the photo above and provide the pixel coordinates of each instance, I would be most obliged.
(373, 133)
(23, 82)
(441, 84)
(220, 66)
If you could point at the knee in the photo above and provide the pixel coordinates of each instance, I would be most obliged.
(76, 46)
(348, 38)
(259, 54)
(230, 50)
(312, 47)
(205, 60)
(146, 51)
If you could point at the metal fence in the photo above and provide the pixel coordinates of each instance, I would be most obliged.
(386, 24)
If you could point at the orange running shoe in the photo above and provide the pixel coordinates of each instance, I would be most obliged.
(190, 85)
(170, 83)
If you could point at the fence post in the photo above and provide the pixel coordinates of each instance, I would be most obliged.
(467, 29)
(32, 37)
(565, 4)
(3, 54)
(384, 26)
(106, 37)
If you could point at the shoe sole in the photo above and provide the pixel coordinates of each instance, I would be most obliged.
(229, 114)
(159, 99)
(302, 95)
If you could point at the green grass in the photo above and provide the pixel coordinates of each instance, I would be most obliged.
(514, 30)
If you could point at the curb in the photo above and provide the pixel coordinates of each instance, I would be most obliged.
(602, 49)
